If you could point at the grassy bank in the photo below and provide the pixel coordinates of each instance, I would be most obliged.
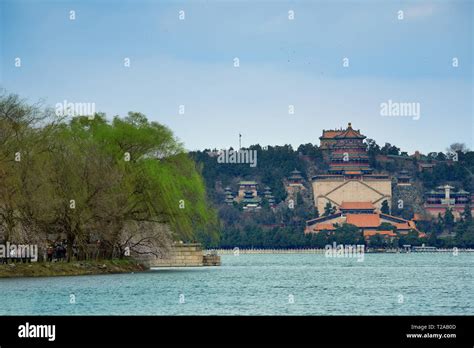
(52, 269)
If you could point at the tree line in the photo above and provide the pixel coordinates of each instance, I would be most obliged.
(124, 184)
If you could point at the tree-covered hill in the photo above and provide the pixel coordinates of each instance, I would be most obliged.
(283, 227)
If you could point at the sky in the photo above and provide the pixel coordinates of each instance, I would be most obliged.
(285, 62)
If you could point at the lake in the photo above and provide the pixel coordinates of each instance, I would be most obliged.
(262, 284)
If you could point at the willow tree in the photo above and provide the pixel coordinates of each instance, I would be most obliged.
(127, 182)
(149, 182)
(23, 139)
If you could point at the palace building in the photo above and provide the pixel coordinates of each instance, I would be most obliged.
(250, 201)
(364, 216)
(249, 196)
(444, 197)
(245, 186)
(348, 153)
(350, 178)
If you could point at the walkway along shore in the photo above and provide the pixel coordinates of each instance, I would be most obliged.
(237, 251)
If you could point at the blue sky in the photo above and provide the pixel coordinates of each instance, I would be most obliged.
(282, 62)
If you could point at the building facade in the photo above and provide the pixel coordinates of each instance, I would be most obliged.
(446, 197)
(365, 217)
(348, 153)
(335, 189)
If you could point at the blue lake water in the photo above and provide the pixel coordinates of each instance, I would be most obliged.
(267, 284)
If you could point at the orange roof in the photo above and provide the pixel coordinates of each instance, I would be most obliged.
(417, 217)
(403, 226)
(363, 220)
(330, 133)
(385, 233)
(357, 205)
(353, 172)
(323, 226)
(350, 133)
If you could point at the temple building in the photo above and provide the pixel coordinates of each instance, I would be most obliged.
(229, 197)
(294, 185)
(335, 189)
(248, 196)
(350, 178)
(403, 178)
(356, 208)
(444, 197)
(295, 178)
(327, 141)
(348, 153)
(250, 201)
(245, 186)
(364, 216)
(269, 197)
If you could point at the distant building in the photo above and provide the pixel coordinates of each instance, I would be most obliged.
(348, 153)
(327, 140)
(425, 167)
(403, 178)
(229, 197)
(248, 196)
(390, 235)
(364, 216)
(295, 178)
(350, 177)
(356, 208)
(245, 186)
(250, 201)
(294, 185)
(269, 197)
(444, 197)
(335, 189)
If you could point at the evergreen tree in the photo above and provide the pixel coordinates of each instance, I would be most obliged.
(316, 212)
(448, 219)
(329, 209)
(467, 214)
(433, 240)
(385, 209)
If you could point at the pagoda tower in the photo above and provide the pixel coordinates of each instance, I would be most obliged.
(250, 201)
(349, 153)
(404, 178)
(295, 178)
(229, 197)
(269, 197)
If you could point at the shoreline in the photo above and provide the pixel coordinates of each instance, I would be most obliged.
(75, 268)
(237, 251)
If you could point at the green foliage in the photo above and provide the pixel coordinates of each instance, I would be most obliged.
(412, 238)
(467, 213)
(448, 219)
(377, 241)
(90, 179)
(273, 167)
(385, 226)
(329, 209)
(276, 162)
